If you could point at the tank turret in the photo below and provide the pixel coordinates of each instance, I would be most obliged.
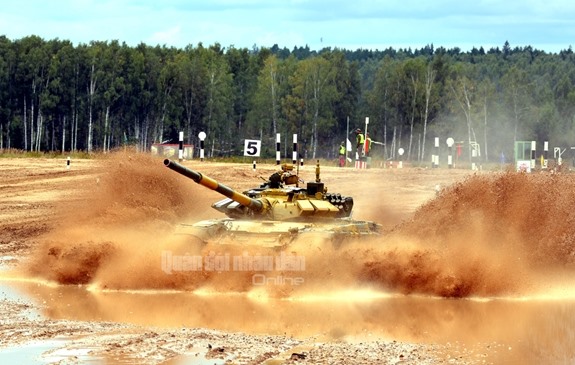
(275, 213)
(278, 199)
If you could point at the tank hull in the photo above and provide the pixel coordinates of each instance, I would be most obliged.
(275, 234)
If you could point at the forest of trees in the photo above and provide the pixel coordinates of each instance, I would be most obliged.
(56, 96)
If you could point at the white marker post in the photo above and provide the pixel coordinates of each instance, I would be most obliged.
(400, 153)
(475, 154)
(363, 163)
(365, 142)
(450, 141)
(202, 137)
(252, 148)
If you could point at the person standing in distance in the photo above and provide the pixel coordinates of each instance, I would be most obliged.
(342, 154)
(360, 140)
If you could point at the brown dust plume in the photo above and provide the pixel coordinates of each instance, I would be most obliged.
(490, 235)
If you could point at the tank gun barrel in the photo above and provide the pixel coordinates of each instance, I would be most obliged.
(212, 184)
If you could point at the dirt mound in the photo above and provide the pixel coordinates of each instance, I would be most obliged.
(531, 214)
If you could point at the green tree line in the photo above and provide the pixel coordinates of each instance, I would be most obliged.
(56, 96)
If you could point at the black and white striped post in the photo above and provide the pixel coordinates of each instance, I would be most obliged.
(202, 136)
(181, 147)
(278, 149)
(294, 153)
(450, 141)
(533, 146)
(301, 163)
(545, 152)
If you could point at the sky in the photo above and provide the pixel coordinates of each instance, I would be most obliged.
(547, 25)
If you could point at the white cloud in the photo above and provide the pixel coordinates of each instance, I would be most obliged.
(170, 36)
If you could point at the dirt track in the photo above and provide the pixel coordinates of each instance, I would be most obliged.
(40, 196)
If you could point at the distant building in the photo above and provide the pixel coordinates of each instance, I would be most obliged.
(171, 150)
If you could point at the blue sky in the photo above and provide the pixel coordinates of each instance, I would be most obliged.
(351, 24)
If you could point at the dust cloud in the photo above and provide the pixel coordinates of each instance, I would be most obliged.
(117, 227)
(503, 234)
(490, 235)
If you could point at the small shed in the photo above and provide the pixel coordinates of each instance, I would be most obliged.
(171, 150)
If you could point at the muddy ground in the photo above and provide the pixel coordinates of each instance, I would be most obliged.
(80, 251)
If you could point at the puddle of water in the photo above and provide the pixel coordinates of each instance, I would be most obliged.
(78, 355)
(28, 354)
(28, 312)
(5, 260)
(59, 351)
(47, 352)
(508, 330)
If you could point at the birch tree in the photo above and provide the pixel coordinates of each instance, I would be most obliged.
(218, 106)
(192, 83)
(95, 52)
(486, 94)
(464, 94)
(380, 100)
(515, 86)
(265, 104)
(7, 65)
(430, 75)
(413, 73)
(314, 87)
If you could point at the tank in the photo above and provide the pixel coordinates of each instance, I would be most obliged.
(276, 213)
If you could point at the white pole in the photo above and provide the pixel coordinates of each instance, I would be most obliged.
(202, 136)
(365, 145)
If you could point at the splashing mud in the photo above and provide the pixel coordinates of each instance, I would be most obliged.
(114, 225)
(490, 235)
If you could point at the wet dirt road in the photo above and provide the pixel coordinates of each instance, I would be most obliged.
(120, 315)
